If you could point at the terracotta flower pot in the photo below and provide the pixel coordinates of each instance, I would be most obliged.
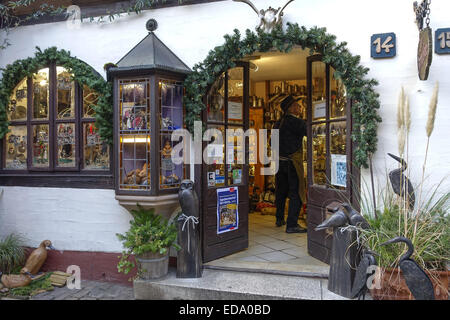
(393, 285)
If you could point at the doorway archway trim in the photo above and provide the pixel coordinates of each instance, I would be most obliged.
(348, 69)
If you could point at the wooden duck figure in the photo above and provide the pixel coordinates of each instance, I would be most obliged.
(14, 280)
(37, 258)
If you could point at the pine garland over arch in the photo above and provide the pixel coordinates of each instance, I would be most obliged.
(82, 73)
(347, 66)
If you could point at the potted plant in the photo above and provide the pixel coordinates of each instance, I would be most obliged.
(149, 239)
(430, 235)
(409, 212)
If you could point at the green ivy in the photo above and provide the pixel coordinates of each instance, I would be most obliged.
(82, 73)
(348, 69)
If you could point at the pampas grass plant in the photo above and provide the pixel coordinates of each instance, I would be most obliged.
(12, 253)
(429, 130)
(428, 225)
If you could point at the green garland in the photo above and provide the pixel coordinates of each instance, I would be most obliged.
(347, 66)
(82, 73)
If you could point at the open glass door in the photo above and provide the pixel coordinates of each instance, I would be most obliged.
(225, 229)
(329, 151)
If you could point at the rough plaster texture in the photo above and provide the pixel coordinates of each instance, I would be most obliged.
(88, 219)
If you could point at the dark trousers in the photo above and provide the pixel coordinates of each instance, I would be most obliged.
(286, 186)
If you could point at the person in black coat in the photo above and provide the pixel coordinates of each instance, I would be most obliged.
(292, 130)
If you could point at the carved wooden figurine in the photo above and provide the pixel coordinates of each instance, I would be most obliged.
(14, 280)
(37, 258)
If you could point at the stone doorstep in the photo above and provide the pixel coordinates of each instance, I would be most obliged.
(233, 285)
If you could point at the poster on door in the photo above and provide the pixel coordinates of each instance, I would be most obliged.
(227, 210)
(339, 170)
(234, 111)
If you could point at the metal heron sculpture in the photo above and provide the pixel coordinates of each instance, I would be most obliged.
(400, 183)
(359, 288)
(416, 279)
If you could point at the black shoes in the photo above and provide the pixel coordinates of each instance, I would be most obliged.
(296, 229)
(280, 223)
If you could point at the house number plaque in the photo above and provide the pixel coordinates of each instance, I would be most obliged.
(442, 41)
(383, 45)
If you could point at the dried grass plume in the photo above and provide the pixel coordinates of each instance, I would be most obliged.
(432, 110)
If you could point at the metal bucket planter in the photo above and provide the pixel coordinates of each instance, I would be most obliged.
(393, 285)
(153, 265)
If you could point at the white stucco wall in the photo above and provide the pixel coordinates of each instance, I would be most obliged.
(73, 219)
(88, 220)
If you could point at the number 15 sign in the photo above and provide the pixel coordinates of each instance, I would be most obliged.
(383, 45)
(442, 41)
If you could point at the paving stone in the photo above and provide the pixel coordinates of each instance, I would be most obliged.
(82, 292)
(276, 256)
(261, 239)
(101, 291)
(252, 259)
(279, 245)
(296, 251)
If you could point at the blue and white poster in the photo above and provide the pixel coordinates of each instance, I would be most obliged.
(227, 209)
(339, 170)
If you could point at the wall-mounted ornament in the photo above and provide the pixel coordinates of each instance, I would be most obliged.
(442, 41)
(383, 45)
(268, 18)
(425, 47)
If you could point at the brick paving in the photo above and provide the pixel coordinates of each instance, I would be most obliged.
(90, 290)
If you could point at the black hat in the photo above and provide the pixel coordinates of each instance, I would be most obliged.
(286, 103)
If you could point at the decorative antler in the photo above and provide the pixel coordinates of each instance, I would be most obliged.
(280, 14)
(268, 18)
(250, 4)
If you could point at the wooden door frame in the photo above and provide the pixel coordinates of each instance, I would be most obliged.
(353, 174)
(352, 171)
(201, 186)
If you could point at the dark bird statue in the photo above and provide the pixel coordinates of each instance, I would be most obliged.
(338, 219)
(416, 279)
(359, 288)
(355, 218)
(188, 198)
(400, 183)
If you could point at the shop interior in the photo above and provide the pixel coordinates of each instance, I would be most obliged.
(273, 76)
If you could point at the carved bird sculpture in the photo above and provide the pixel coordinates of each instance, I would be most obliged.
(354, 217)
(188, 198)
(359, 287)
(400, 183)
(416, 279)
(268, 18)
(37, 258)
(338, 219)
(14, 280)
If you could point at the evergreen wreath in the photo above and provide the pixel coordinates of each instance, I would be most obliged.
(82, 73)
(347, 66)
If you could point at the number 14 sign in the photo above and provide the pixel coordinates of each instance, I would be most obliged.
(383, 45)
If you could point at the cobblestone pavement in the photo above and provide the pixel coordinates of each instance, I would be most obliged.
(90, 290)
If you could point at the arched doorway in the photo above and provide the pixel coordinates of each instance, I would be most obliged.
(223, 64)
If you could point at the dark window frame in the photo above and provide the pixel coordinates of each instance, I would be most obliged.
(53, 176)
(154, 76)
